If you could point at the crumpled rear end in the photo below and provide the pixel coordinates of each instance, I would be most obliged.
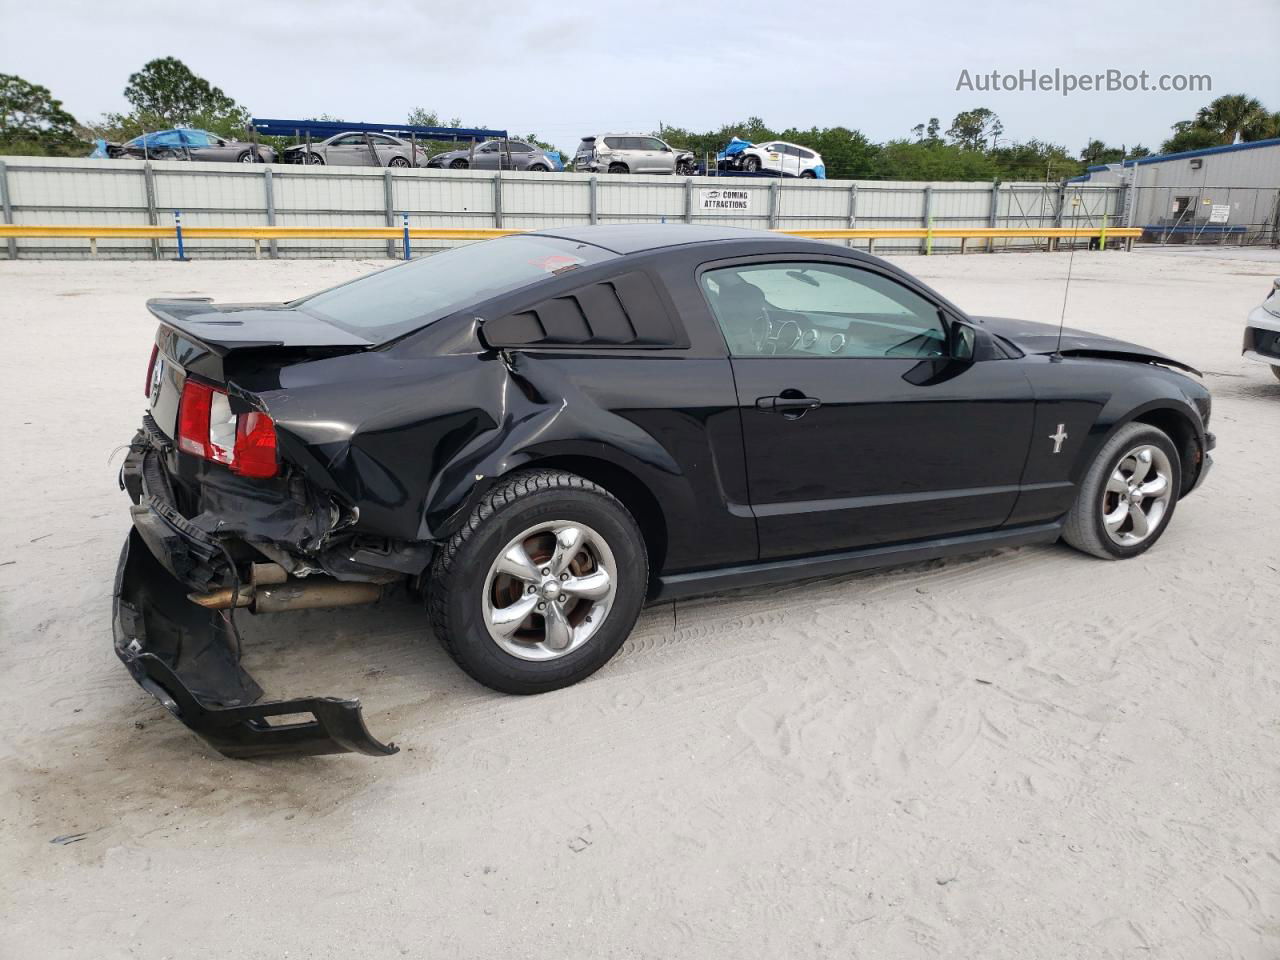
(188, 658)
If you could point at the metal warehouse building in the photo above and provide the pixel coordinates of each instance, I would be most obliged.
(1227, 194)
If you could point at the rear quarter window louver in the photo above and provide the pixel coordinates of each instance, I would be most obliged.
(623, 311)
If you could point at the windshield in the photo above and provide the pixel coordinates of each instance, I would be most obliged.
(390, 303)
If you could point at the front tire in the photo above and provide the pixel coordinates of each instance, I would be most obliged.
(459, 164)
(1128, 495)
(541, 585)
(751, 164)
(1275, 369)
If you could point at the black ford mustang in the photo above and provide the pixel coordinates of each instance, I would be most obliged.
(538, 433)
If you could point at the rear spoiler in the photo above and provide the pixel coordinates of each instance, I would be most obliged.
(226, 328)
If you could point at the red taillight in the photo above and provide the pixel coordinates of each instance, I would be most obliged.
(193, 418)
(205, 425)
(255, 452)
(151, 369)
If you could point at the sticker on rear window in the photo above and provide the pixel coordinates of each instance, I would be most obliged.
(558, 263)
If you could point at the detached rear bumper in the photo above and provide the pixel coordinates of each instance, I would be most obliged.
(187, 657)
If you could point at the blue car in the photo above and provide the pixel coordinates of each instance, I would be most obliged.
(186, 143)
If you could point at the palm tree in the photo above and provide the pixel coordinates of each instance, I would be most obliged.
(1264, 127)
(1230, 115)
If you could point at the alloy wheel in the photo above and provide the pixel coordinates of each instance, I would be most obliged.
(1137, 495)
(549, 590)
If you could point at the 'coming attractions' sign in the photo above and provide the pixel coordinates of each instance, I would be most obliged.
(733, 201)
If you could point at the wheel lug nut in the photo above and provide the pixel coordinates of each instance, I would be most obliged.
(542, 606)
(564, 576)
(532, 588)
(563, 598)
(546, 571)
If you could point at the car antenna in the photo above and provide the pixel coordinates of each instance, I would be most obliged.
(1066, 288)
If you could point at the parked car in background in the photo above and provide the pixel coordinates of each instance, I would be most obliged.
(358, 149)
(500, 155)
(776, 156)
(627, 153)
(184, 143)
(1262, 331)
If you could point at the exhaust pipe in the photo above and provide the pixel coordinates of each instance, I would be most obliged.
(270, 590)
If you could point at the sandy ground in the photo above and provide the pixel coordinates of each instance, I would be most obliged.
(1026, 754)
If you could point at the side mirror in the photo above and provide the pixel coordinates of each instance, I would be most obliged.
(962, 339)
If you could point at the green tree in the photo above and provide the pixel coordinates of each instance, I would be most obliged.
(906, 160)
(971, 129)
(32, 121)
(1187, 135)
(1230, 115)
(1036, 160)
(1264, 126)
(165, 93)
(928, 132)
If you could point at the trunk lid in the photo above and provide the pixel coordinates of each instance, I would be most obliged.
(219, 342)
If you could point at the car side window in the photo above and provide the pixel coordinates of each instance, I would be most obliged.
(613, 143)
(820, 309)
(350, 140)
(519, 147)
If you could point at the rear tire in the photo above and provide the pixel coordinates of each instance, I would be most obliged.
(1128, 495)
(538, 168)
(477, 591)
(808, 175)
(397, 162)
(1275, 369)
(618, 168)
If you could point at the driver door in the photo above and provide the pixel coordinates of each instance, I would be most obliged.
(350, 150)
(489, 155)
(771, 159)
(859, 429)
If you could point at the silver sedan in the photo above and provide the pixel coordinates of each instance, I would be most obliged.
(357, 149)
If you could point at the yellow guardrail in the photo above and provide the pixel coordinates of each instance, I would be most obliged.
(258, 234)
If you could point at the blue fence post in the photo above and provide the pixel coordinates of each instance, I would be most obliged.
(177, 227)
(407, 253)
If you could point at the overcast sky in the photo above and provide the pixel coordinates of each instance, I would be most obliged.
(563, 69)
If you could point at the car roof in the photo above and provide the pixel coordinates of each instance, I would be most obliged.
(626, 238)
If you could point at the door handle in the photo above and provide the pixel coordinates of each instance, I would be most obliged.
(791, 402)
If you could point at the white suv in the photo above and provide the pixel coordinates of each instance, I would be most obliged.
(624, 153)
(776, 156)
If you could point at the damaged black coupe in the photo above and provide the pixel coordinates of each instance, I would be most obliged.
(537, 434)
